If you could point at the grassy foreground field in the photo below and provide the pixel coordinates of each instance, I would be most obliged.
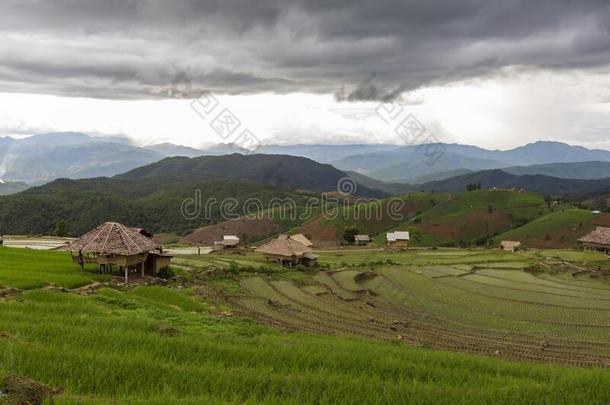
(165, 344)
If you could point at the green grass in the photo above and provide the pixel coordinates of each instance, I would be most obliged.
(154, 344)
(103, 352)
(560, 228)
(27, 269)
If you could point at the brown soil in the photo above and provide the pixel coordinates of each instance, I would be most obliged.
(477, 223)
(166, 330)
(246, 228)
(441, 230)
(319, 231)
(165, 238)
(602, 220)
(24, 391)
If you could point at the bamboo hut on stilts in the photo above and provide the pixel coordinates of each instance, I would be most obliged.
(116, 247)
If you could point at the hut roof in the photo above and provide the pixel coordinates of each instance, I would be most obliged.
(601, 236)
(142, 231)
(510, 244)
(402, 235)
(112, 238)
(284, 246)
(299, 237)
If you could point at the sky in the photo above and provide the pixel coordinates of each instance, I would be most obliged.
(496, 74)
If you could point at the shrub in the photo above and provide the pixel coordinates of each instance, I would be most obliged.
(233, 268)
(166, 273)
(534, 268)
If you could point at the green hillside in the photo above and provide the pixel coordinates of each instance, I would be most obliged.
(371, 218)
(152, 203)
(436, 219)
(473, 217)
(557, 229)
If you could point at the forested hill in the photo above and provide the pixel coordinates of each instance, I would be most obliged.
(153, 203)
(289, 172)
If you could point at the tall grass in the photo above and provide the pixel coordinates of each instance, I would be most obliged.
(109, 350)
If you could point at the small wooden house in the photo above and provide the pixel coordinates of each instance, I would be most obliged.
(598, 240)
(360, 240)
(230, 240)
(288, 252)
(114, 246)
(510, 245)
(398, 238)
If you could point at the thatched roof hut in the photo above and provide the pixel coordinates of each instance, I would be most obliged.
(286, 250)
(112, 238)
(598, 240)
(302, 239)
(115, 244)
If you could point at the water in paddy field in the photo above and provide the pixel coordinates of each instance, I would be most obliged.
(35, 243)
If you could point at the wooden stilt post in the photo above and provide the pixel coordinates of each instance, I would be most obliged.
(80, 261)
(142, 268)
(126, 275)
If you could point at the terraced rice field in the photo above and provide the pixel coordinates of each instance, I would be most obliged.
(479, 305)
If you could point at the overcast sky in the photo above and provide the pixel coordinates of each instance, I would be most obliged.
(492, 73)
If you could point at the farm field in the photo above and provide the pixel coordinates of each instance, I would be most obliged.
(475, 301)
(559, 229)
(372, 327)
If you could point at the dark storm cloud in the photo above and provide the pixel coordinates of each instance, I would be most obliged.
(136, 48)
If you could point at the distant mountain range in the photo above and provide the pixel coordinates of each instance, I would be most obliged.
(7, 188)
(411, 164)
(43, 158)
(496, 178)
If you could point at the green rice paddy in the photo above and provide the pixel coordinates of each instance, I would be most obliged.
(375, 328)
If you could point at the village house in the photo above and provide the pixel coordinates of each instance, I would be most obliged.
(228, 241)
(288, 252)
(361, 240)
(129, 250)
(398, 238)
(510, 245)
(598, 240)
(302, 239)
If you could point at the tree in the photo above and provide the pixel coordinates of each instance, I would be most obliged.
(473, 186)
(349, 233)
(60, 228)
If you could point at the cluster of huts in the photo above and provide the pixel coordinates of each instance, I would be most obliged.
(116, 247)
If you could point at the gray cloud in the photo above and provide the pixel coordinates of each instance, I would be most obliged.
(136, 48)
